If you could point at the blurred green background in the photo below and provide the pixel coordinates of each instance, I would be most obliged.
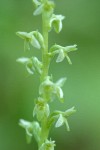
(82, 89)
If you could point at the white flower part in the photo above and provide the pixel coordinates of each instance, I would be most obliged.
(61, 56)
(25, 35)
(24, 123)
(66, 123)
(34, 42)
(69, 112)
(39, 37)
(38, 11)
(36, 130)
(60, 121)
(30, 68)
(47, 110)
(61, 81)
(71, 48)
(59, 92)
(69, 60)
(38, 65)
(23, 60)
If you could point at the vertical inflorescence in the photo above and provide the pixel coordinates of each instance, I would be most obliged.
(49, 90)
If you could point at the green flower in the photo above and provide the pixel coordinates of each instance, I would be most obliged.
(47, 145)
(61, 118)
(34, 38)
(56, 22)
(41, 109)
(47, 88)
(62, 52)
(32, 64)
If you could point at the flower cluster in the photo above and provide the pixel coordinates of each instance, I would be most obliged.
(49, 90)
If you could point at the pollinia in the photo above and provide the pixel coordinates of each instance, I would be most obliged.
(49, 90)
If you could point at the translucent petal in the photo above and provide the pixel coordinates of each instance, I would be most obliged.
(38, 65)
(23, 123)
(61, 56)
(69, 61)
(36, 130)
(69, 111)
(61, 82)
(23, 60)
(67, 125)
(30, 68)
(34, 42)
(59, 92)
(71, 48)
(60, 121)
(39, 37)
(24, 35)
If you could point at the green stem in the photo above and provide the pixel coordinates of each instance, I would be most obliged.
(45, 59)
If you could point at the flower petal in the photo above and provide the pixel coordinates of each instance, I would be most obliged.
(61, 56)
